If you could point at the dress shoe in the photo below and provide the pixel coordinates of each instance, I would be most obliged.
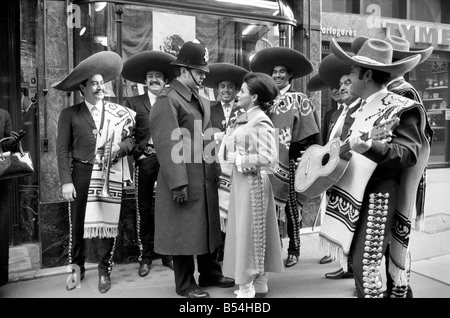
(197, 293)
(246, 291)
(168, 262)
(339, 274)
(73, 280)
(104, 283)
(291, 260)
(223, 282)
(325, 260)
(144, 269)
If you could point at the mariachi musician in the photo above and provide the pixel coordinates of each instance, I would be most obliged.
(93, 140)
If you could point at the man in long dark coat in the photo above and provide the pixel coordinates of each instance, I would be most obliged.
(187, 221)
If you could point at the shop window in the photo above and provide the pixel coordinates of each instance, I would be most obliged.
(431, 80)
(429, 11)
(388, 8)
(344, 6)
(228, 39)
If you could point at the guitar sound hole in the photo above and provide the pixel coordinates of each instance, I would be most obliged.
(325, 159)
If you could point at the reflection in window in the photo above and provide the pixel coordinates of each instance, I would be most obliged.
(344, 6)
(228, 39)
(388, 8)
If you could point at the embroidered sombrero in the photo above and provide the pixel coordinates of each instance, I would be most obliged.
(108, 64)
(265, 60)
(331, 70)
(377, 55)
(402, 49)
(219, 72)
(316, 83)
(136, 67)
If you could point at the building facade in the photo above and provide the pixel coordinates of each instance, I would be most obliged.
(45, 39)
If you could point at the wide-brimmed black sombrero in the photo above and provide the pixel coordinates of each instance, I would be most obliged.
(265, 60)
(377, 55)
(219, 72)
(136, 67)
(108, 64)
(316, 83)
(331, 69)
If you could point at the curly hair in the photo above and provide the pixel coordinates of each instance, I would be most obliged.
(262, 85)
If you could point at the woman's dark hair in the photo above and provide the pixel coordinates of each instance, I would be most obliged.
(262, 85)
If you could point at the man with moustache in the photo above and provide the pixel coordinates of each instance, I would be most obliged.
(93, 140)
(187, 220)
(153, 69)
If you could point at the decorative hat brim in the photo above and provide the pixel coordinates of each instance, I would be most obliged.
(331, 69)
(219, 72)
(265, 60)
(136, 67)
(107, 63)
(399, 67)
(316, 84)
(424, 54)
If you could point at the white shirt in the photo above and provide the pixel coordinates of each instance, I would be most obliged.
(336, 131)
(285, 89)
(226, 111)
(96, 113)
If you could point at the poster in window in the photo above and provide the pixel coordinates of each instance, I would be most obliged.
(171, 31)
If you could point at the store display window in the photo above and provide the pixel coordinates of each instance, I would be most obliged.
(431, 80)
(129, 28)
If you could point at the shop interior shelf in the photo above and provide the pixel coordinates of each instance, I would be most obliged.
(431, 100)
(436, 111)
(434, 88)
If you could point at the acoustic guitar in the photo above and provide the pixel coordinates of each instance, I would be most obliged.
(322, 166)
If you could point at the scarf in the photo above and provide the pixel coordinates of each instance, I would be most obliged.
(103, 212)
(345, 197)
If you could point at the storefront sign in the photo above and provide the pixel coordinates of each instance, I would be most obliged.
(337, 32)
(419, 34)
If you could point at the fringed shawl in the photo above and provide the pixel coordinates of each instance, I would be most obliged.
(345, 197)
(293, 116)
(103, 213)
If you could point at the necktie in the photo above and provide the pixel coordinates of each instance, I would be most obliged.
(95, 115)
(227, 111)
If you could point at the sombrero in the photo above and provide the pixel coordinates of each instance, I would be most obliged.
(402, 50)
(331, 70)
(219, 72)
(136, 67)
(377, 55)
(316, 83)
(357, 43)
(265, 60)
(108, 64)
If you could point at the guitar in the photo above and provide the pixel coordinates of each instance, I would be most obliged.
(322, 166)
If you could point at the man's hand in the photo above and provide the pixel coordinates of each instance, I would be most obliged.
(180, 194)
(360, 146)
(68, 191)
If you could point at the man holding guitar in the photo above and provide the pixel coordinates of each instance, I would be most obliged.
(371, 204)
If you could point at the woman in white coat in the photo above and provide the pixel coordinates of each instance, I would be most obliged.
(252, 245)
